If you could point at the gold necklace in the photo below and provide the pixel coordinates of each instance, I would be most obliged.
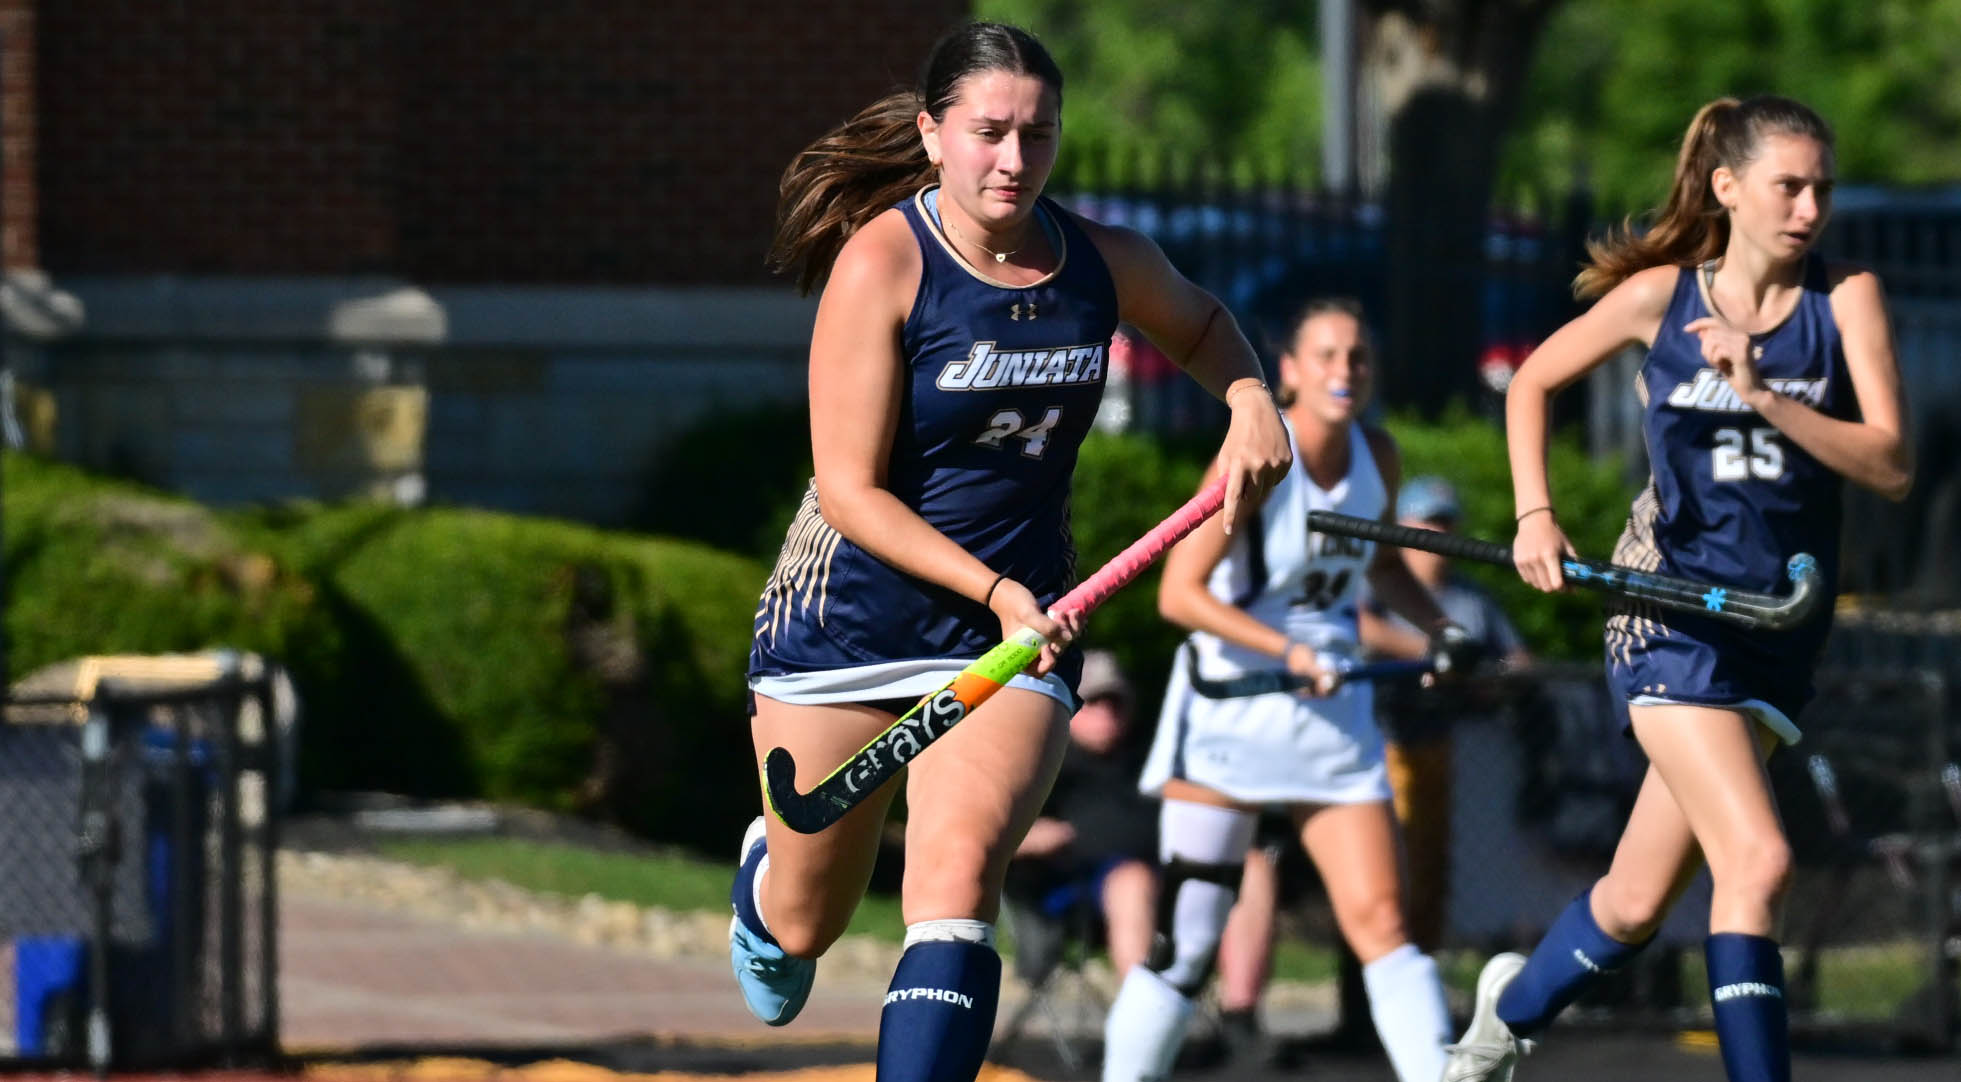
(999, 257)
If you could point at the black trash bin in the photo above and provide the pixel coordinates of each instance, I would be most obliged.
(157, 796)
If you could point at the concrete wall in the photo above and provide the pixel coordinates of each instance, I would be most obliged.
(555, 401)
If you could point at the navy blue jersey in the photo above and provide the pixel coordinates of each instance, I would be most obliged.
(1000, 386)
(1730, 501)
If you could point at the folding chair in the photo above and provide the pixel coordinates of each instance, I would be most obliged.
(1055, 934)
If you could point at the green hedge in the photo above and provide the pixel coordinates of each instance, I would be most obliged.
(1591, 496)
(95, 566)
(536, 661)
(434, 650)
(1124, 486)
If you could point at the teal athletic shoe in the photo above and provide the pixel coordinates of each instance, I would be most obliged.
(774, 984)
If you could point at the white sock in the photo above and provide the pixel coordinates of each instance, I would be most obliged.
(756, 890)
(951, 930)
(1145, 1029)
(1406, 1000)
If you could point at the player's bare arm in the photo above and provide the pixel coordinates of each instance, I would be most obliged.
(1873, 450)
(1184, 600)
(1196, 332)
(1630, 313)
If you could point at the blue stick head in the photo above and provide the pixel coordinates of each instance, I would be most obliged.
(1801, 565)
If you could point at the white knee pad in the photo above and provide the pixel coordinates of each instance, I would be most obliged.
(1203, 849)
(1204, 834)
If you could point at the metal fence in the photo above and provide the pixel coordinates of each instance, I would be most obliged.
(1265, 247)
(137, 897)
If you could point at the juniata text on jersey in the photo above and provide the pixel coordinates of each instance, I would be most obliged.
(987, 367)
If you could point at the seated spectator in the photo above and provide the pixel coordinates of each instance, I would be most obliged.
(1096, 840)
(1417, 721)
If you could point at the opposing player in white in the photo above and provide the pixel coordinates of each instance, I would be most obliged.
(1274, 596)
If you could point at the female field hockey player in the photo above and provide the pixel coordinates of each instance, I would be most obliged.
(1276, 596)
(957, 360)
(1769, 377)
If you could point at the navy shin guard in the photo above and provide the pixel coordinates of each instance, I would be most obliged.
(1574, 952)
(939, 1013)
(1746, 990)
(742, 894)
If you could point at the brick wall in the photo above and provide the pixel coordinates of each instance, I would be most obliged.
(619, 141)
(18, 246)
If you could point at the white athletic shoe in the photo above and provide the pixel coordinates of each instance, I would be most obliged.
(1488, 1051)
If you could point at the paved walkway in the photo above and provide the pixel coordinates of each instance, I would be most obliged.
(355, 977)
(363, 984)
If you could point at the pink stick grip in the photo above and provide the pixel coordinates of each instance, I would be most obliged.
(1143, 552)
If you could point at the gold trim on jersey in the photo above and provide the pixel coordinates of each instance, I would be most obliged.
(933, 226)
(803, 568)
(1631, 623)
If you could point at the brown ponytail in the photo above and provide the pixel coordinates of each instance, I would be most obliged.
(845, 179)
(876, 159)
(1692, 227)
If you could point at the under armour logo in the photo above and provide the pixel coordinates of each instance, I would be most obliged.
(1015, 311)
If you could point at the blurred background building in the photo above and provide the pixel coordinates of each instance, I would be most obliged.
(487, 253)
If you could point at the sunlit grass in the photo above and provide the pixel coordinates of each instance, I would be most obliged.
(659, 879)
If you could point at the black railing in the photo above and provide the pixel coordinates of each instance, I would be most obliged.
(1265, 243)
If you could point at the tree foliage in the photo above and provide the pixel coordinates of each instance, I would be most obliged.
(1240, 80)
(1616, 81)
(1610, 87)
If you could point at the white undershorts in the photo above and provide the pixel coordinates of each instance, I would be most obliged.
(1765, 714)
(881, 680)
(1279, 748)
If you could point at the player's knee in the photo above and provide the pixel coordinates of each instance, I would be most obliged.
(1761, 871)
(1374, 925)
(961, 877)
(806, 933)
(1129, 887)
(1628, 915)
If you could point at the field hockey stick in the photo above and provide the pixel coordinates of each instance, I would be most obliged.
(931, 717)
(1266, 683)
(1740, 607)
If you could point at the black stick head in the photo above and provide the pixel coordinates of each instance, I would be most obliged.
(801, 813)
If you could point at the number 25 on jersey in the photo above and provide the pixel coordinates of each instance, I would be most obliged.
(1741, 454)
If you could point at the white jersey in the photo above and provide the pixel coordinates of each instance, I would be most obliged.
(1283, 748)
